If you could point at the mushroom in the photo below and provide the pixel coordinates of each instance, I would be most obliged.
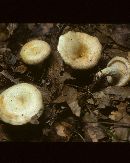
(79, 50)
(35, 52)
(117, 71)
(20, 103)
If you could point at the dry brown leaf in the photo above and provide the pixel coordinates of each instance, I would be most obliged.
(92, 127)
(46, 27)
(63, 129)
(121, 133)
(34, 121)
(3, 136)
(124, 92)
(31, 26)
(89, 117)
(11, 28)
(121, 35)
(121, 114)
(75, 108)
(4, 35)
(95, 133)
(102, 100)
(40, 28)
(21, 69)
(60, 130)
(115, 51)
(60, 99)
(70, 95)
(115, 116)
(65, 77)
(106, 96)
(122, 117)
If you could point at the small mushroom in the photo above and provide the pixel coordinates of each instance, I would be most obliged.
(117, 71)
(35, 52)
(20, 103)
(79, 50)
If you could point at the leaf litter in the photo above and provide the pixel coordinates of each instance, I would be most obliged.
(76, 108)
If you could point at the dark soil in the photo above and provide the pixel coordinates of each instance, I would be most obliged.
(61, 85)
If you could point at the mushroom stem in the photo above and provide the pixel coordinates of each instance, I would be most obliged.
(117, 71)
(109, 71)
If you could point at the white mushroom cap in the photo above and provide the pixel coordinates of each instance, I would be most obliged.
(35, 52)
(118, 68)
(19, 103)
(79, 50)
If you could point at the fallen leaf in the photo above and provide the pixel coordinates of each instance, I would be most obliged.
(65, 77)
(21, 69)
(60, 99)
(3, 136)
(121, 35)
(92, 127)
(31, 26)
(115, 51)
(121, 133)
(10, 58)
(108, 95)
(60, 130)
(75, 108)
(122, 117)
(64, 129)
(100, 99)
(90, 117)
(91, 101)
(11, 28)
(123, 92)
(4, 35)
(95, 133)
(115, 116)
(70, 95)
(46, 27)
(40, 28)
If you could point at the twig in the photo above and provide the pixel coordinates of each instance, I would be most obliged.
(79, 135)
(113, 123)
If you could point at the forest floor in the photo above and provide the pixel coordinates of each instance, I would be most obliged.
(77, 108)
